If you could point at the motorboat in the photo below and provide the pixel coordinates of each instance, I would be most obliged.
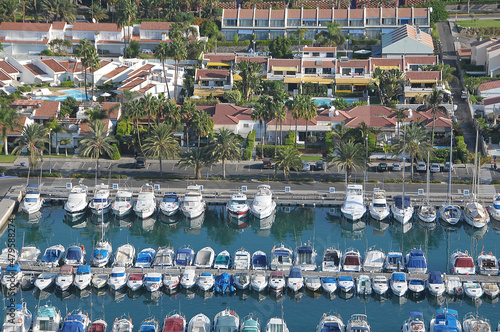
(102, 253)
(487, 264)
(277, 281)
(491, 289)
(473, 323)
(435, 283)
(9, 256)
(123, 203)
(224, 283)
(165, 257)
(223, 260)
(204, 258)
(135, 281)
(169, 204)
(364, 285)
(415, 323)
(378, 208)
(263, 204)
(295, 280)
(473, 289)
(100, 280)
(45, 280)
(75, 255)
(238, 206)
(52, 256)
(259, 260)
(374, 261)
(101, 203)
(65, 278)
(281, 258)
(332, 260)
(124, 256)
(47, 319)
(83, 277)
(145, 258)
(401, 209)
(77, 200)
(27, 281)
(153, 281)
(494, 209)
(241, 280)
(250, 324)
(17, 319)
(226, 321)
(99, 325)
(476, 215)
(188, 277)
(453, 286)
(259, 282)
(206, 281)
(346, 283)
(12, 276)
(241, 260)
(118, 278)
(427, 213)
(171, 281)
(330, 323)
(75, 322)
(32, 201)
(28, 256)
(451, 214)
(329, 285)
(176, 322)
(184, 257)
(416, 262)
(145, 205)
(122, 325)
(394, 262)
(354, 205)
(445, 320)
(276, 324)
(416, 285)
(193, 205)
(199, 323)
(358, 322)
(462, 263)
(398, 283)
(305, 257)
(380, 285)
(351, 261)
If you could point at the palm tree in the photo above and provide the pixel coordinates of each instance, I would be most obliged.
(83, 51)
(33, 140)
(287, 159)
(178, 52)
(308, 112)
(349, 156)
(299, 32)
(97, 142)
(202, 123)
(188, 109)
(55, 10)
(259, 114)
(297, 112)
(332, 35)
(340, 132)
(136, 112)
(126, 10)
(150, 104)
(225, 146)
(173, 114)
(8, 10)
(400, 117)
(389, 84)
(197, 158)
(161, 144)
(433, 102)
(250, 77)
(9, 120)
(99, 13)
(65, 142)
(94, 63)
(162, 52)
(387, 149)
(54, 126)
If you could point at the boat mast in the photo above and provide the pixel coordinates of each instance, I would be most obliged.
(448, 198)
(428, 175)
(474, 174)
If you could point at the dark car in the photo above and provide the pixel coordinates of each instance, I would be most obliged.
(320, 166)
(140, 162)
(267, 163)
(382, 167)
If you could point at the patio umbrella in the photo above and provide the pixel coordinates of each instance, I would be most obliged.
(105, 94)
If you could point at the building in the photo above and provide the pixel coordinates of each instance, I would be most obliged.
(407, 40)
(212, 82)
(40, 111)
(418, 84)
(489, 89)
(149, 34)
(231, 117)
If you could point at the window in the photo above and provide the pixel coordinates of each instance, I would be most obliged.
(309, 22)
(277, 23)
(373, 34)
(230, 22)
(306, 54)
(343, 23)
(290, 73)
(356, 23)
(219, 83)
(324, 22)
(261, 23)
(403, 21)
(414, 67)
(346, 71)
(389, 21)
(274, 34)
(246, 125)
(330, 55)
(327, 71)
(359, 71)
(229, 35)
(261, 35)
(343, 88)
(421, 21)
(278, 72)
(204, 83)
(310, 34)
(372, 21)
(310, 71)
(315, 54)
(295, 22)
(245, 22)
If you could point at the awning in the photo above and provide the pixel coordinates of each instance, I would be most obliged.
(319, 80)
(237, 78)
(422, 81)
(292, 80)
(416, 94)
(356, 81)
(387, 67)
(218, 64)
(207, 92)
(284, 68)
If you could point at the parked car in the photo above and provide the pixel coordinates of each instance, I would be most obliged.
(140, 162)
(267, 163)
(306, 166)
(396, 167)
(320, 166)
(421, 166)
(464, 94)
(382, 167)
(447, 168)
(435, 168)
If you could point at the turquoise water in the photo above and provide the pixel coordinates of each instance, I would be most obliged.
(302, 311)
(327, 101)
(75, 93)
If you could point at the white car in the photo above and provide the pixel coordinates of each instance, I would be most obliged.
(435, 168)
(421, 166)
(306, 166)
(396, 167)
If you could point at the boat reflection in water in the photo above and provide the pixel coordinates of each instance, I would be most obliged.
(75, 221)
(476, 233)
(352, 229)
(378, 226)
(194, 225)
(169, 220)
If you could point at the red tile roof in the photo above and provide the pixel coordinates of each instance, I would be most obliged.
(83, 26)
(314, 64)
(212, 74)
(116, 71)
(404, 12)
(19, 26)
(421, 60)
(246, 13)
(132, 84)
(85, 129)
(5, 66)
(146, 67)
(309, 13)
(319, 49)
(284, 63)
(112, 109)
(230, 13)
(54, 65)
(25, 102)
(356, 13)
(340, 14)
(259, 59)
(481, 42)
(423, 75)
(47, 110)
(489, 85)
(440, 123)
(491, 101)
(388, 12)
(21, 121)
(325, 14)
(156, 25)
(34, 69)
(372, 12)
(58, 25)
(4, 76)
(420, 12)
(464, 52)
(293, 13)
(277, 14)
(72, 66)
(353, 63)
(219, 57)
(227, 114)
(384, 62)
(146, 88)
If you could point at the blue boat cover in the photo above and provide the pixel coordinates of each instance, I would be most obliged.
(446, 321)
(32, 192)
(416, 282)
(395, 255)
(145, 257)
(13, 268)
(83, 269)
(346, 278)
(329, 280)
(32, 185)
(148, 327)
(305, 250)
(416, 262)
(184, 256)
(73, 323)
(18, 306)
(206, 274)
(153, 279)
(116, 275)
(399, 276)
(51, 255)
(295, 273)
(100, 253)
(170, 197)
(398, 200)
(48, 312)
(416, 252)
(435, 277)
(259, 261)
(331, 327)
(74, 253)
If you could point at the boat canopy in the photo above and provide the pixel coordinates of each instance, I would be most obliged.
(295, 273)
(416, 313)
(32, 189)
(207, 274)
(446, 321)
(399, 276)
(417, 282)
(259, 261)
(73, 323)
(13, 268)
(222, 259)
(47, 312)
(74, 253)
(329, 280)
(277, 274)
(32, 192)
(281, 252)
(305, 250)
(67, 269)
(332, 256)
(118, 274)
(435, 277)
(98, 327)
(416, 253)
(398, 200)
(149, 326)
(51, 255)
(170, 198)
(136, 276)
(416, 262)
(331, 327)
(345, 278)
(145, 256)
(464, 262)
(226, 323)
(153, 279)
(83, 269)
(352, 260)
(100, 253)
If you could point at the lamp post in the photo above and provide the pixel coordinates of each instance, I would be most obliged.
(50, 152)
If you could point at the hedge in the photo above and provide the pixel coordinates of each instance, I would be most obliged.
(116, 153)
(234, 43)
(329, 143)
(290, 139)
(92, 175)
(364, 41)
(250, 143)
(269, 151)
(409, 181)
(44, 174)
(69, 84)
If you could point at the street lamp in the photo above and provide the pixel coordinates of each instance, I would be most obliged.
(50, 152)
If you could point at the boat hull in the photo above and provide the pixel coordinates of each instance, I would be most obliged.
(379, 215)
(193, 213)
(100, 211)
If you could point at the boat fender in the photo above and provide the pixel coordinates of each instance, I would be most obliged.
(476, 328)
(490, 253)
(116, 319)
(20, 320)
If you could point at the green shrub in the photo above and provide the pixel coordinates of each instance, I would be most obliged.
(232, 97)
(234, 43)
(23, 89)
(116, 153)
(47, 52)
(68, 84)
(44, 174)
(247, 153)
(269, 151)
(438, 160)
(123, 127)
(469, 182)
(364, 41)
(312, 139)
(329, 144)
(290, 139)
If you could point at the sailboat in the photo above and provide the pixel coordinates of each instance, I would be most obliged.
(450, 213)
(427, 212)
(402, 210)
(103, 249)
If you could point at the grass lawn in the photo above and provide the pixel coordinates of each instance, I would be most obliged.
(480, 23)
(311, 158)
(62, 155)
(8, 159)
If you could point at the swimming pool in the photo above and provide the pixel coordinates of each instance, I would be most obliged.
(327, 101)
(75, 93)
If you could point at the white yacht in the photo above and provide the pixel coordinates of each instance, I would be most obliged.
(205, 258)
(145, 205)
(400, 213)
(171, 281)
(164, 258)
(427, 212)
(170, 204)
(346, 283)
(145, 258)
(259, 260)
(476, 215)
(473, 323)
(277, 281)
(330, 323)
(10, 256)
(77, 200)
(65, 278)
(199, 323)
(135, 281)
(17, 319)
(415, 323)
(394, 262)
(45, 280)
(399, 284)
(102, 253)
(259, 281)
(380, 285)
(101, 203)
(263, 204)
(52, 256)
(451, 214)
(124, 256)
(453, 286)
(118, 278)
(332, 260)
(305, 257)
(193, 205)
(374, 261)
(12, 276)
(435, 283)
(494, 209)
(490, 289)
(473, 289)
(276, 325)
(487, 264)
(153, 281)
(83, 277)
(32, 201)
(357, 323)
(223, 260)
(462, 263)
(100, 280)
(75, 255)
(354, 204)
(188, 277)
(351, 261)
(281, 258)
(363, 285)
(47, 319)
(122, 325)
(238, 206)
(29, 256)
(76, 321)
(379, 209)
(241, 280)
(329, 285)
(123, 203)
(295, 280)
(313, 283)
(226, 320)
(241, 260)
(205, 281)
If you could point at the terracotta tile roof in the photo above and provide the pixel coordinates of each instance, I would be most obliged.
(420, 12)
(353, 63)
(227, 114)
(324, 64)
(277, 14)
(25, 102)
(489, 85)
(423, 75)
(156, 25)
(440, 123)
(112, 109)
(372, 12)
(219, 57)
(85, 129)
(464, 52)
(309, 13)
(34, 69)
(146, 67)
(4, 76)
(230, 13)
(367, 110)
(340, 14)
(212, 74)
(116, 71)
(146, 88)
(404, 12)
(21, 121)
(132, 84)
(356, 13)
(72, 66)
(388, 12)
(428, 115)
(259, 59)
(19, 26)
(371, 121)
(289, 121)
(385, 62)
(47, 110)
(58, 25)
(246, 13)
(293, 13)
(284, 63)
(104, 63)
(5, 66)
(491, 101)
(319, 49)
(479, 42)
(83, 26)
(421, 60)
(325, 14)
(54, 65)
(338, 116)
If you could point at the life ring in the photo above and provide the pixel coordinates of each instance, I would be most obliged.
(232, 313)
(490, 253)
(20, 320)
(486, 329)
(476, 328)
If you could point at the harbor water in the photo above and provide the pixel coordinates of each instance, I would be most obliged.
(291, 226)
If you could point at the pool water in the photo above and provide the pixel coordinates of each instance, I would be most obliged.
(75, 93)
(327, 101)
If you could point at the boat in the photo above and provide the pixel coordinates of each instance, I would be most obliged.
(153, 281)
(206, 281)
(313, 283)
(380, 285)
(473, 289)
(415, 323)
(27, 281)
(83, 277)
(226, 321)
(474, 323)
(45, 280)
(305, 257)
(169, 205)
(281, 258)
(102, 253)
(358, 322)
(204, 258)
(164, 258)
(47, 319)
(295, 280)
(445, 320)
(184, 257)
(491, 289)
(354, 204)
(28, 256)
(427, 212)
(17, 319)
(9, 256)
(250, 324)
(99, 325)
(448, 212)
(378, 208)
(32, 201)
(224, 283)
(351, 261)
(193, 205)
(259, 260)
(124, 256)
(398, 283)
(171, 281)
(416, 262)
(332, 259)
(263, 205)
(487, 264)
(65, 278)
(101, 203)
(188, 277)
(118, 278)
(435, 283)
(77, 203)
(400, 213)
(52, 256)
(416, 285)
(241, 280)
(277, 281)
(100, 280)
(462, 263)
(75, 255)
(199, 323)
(259, 282)
(176, 322)
(241, 260)
(374, 261)
(276, 324)
(75, 322)
(12, 276)
(223, 260)
(145, 205)
(364, 285)
(329, 285)
(494, 209)
(145, 258)
(453, 286)
(476, 215)
(122, 325)
(238, 206)
(123, 203)
(394, 262)
(346, 283)
(135, 281)
(330, 323)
